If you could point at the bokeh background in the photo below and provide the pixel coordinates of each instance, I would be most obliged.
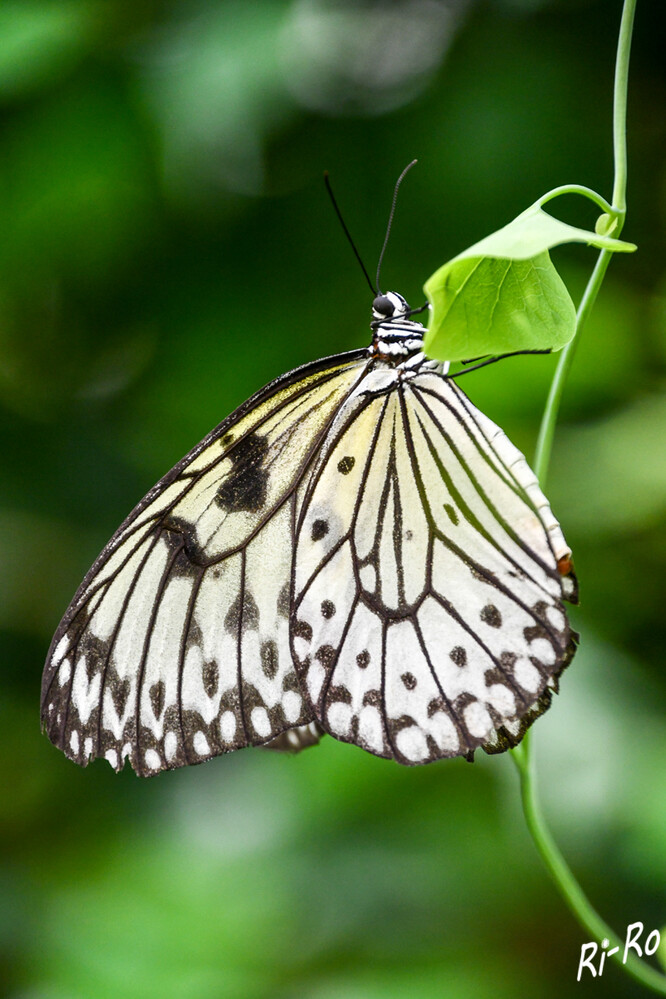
(167, 248)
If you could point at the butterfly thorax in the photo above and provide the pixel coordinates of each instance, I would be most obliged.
(395, 337)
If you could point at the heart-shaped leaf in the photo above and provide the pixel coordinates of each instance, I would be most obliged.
(503, 294)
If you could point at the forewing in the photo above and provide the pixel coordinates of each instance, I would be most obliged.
(428, 615)
(176, 646)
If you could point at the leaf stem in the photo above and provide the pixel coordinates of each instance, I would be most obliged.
(587, 192)
(545, 844)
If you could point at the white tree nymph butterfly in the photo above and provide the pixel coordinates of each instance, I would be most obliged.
(357, 550)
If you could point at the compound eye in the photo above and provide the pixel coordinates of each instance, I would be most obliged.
(383, 305)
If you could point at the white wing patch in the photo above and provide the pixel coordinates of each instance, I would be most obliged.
(428, 613)
(176, 647)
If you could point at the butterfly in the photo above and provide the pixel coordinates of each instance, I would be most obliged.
(357, 550)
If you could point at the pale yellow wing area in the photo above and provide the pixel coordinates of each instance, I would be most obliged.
(176, 646)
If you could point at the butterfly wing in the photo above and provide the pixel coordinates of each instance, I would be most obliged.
(175, 647)
(428, 585)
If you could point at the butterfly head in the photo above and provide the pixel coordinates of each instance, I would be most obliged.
(388, 306)
(395, 337)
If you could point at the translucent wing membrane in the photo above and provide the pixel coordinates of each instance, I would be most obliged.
(176, 646)
(427, 617)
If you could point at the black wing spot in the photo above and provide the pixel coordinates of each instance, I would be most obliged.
(458, 655)
(491, 616)
(346, 464)
(492, 676)
(302, 629)
(338, 694)
(396, 725)
(409, 680)
(232, 617)
(246, 484)
(91, 661)
(210, 676)
(327, 609)
(453, 516)
(435, 706)
(283, 601)
(319, 529)
(536, 631)
(269, 658)
(156, 694)
(119, 693)
(250, 619)
(363, 659)
(326, 656)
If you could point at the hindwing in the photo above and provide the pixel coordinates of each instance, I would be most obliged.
(428, 578)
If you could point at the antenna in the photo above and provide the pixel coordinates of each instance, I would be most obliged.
(346, 231)
(390, 221)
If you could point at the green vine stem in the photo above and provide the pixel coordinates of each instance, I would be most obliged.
(552, 408)
(522, 756)
(564, 879)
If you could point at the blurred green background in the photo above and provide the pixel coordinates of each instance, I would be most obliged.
(167, 248)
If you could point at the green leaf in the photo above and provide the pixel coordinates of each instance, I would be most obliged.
(504, 294)
(486, 305)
